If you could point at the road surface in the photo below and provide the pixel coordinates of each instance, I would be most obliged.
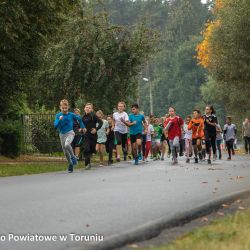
(36, 210)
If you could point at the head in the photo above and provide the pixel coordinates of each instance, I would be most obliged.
(209, 110)
(151, 119)
(156, 121)
(171, 112)
(246, 121)
(64, 106)
(188, 119)
(99, 114)
(110, 119)
(196, 113)
(135, 109)
(88, 108)
(77, 111)
(228, 120)
(121, 106)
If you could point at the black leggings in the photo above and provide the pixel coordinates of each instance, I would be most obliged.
(230, 147)
(110, 145)
(144, 140)
(247, 143)
(121, 139)
(211, 142)
(89, 145)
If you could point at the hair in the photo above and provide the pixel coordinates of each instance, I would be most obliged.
(89, 104)
(100, 112)
(171, 107)
(189, 116)
(135, 106)
(77, 110)
(110, 116)
(212, 109)
(229, 118)
(197, 110)
(64, 102)
(121, 102)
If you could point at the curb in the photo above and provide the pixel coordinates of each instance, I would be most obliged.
(153, 229)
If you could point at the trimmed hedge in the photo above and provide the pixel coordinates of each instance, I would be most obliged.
(10, 139)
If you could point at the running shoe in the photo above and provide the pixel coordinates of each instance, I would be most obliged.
(88, 167)
(196, 160)
(70, 168)
(214, 157)
(74, 160)
(188, 161)
(200, 156)
(136, 161)
(209, 161)
(139, 157)
(162, 158)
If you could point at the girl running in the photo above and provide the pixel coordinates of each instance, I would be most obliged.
(230, 135)
(219, 139)
(173, 125)
(156, 140)
(150, 132)
(101, 137)
(188, 139)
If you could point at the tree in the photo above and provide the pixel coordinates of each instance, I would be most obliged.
(225, 52)
(24, 27)
(95, 60)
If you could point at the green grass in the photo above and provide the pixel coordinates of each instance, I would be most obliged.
(232, 233)
(31, 168)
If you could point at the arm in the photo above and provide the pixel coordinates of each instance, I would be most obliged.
(79, 119)
(99, 121)
(57, 121)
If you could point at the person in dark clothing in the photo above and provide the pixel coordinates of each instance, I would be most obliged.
(110, 144)
(76, 143)
(210, 121)
(92, 123)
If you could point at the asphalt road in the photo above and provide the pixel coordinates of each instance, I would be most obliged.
(108, 201)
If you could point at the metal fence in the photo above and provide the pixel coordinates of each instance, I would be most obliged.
(39, 134)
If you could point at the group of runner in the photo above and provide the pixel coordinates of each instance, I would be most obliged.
(136, 136)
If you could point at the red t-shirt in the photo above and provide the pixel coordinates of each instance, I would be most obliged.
(175, 127)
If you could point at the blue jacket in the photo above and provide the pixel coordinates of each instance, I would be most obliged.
(66, 124)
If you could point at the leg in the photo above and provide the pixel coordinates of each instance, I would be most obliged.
(68, 149)
(148, 146)
(163, 149)
(118, 137)
(246, 144)
(124, 138)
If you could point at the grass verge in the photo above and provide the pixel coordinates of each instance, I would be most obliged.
(231, 233)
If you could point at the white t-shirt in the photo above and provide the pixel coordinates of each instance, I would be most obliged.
(187, 133)
(120, 126)
(150, 131)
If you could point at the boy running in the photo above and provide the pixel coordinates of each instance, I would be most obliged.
(93, 124)
(156, 140)
(136, 123)
(197, 126)
(210, 121)
(64, 123)
(110, 144)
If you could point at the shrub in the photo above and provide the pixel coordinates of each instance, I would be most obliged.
(10, 138)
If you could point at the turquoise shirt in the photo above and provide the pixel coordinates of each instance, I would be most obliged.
(66, 124)
(138, 127)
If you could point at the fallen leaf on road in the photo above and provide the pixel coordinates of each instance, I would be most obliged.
(218, 181)
(238, 201)
(241, 208)
(204, 182)
(214, 192)
(87, 225)
(215, 188)
(225, 205)
(133, 246)
(204, 219)
(239, 177)
(220, 213)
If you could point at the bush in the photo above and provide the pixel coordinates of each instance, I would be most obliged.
(10, 139)
(44, 136)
